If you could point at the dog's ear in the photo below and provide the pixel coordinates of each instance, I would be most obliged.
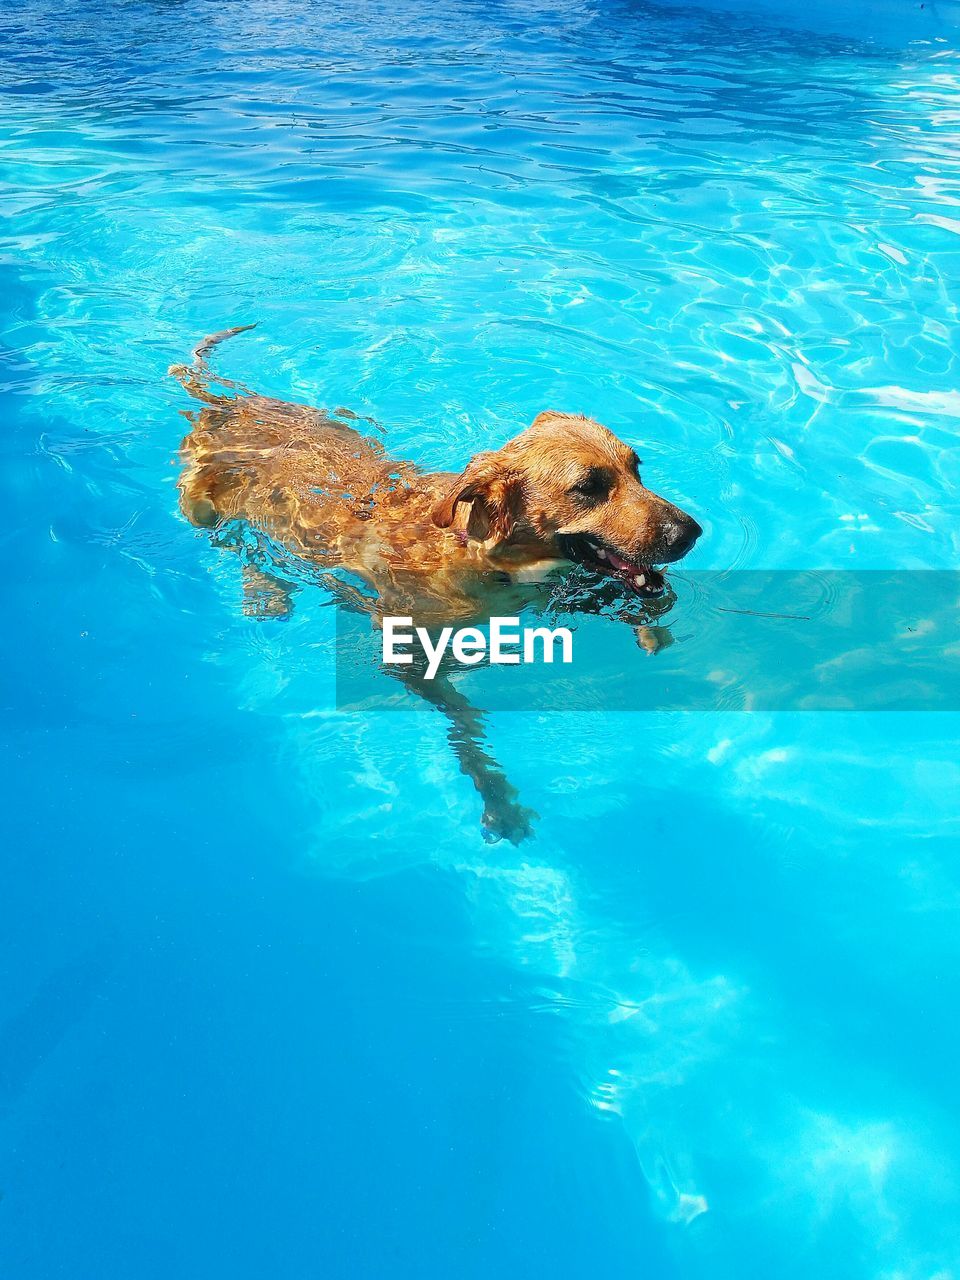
(477, 473)
(494, 496)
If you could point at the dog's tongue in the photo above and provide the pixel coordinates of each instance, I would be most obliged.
(639, 577)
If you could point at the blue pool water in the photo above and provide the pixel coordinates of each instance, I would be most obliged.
(269, 1004)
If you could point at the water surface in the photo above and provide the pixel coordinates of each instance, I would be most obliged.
(269, 1003)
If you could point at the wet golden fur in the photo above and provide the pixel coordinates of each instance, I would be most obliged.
(331, 494)
(438, 546)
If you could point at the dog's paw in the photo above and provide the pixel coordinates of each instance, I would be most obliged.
(505, 818)
(652, 639)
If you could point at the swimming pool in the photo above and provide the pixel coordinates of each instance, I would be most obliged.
(270, 1004)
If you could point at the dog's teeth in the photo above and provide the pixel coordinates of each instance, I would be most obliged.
(640, 580)
(601, 554)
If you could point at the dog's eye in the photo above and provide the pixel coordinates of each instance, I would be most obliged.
(594, 485)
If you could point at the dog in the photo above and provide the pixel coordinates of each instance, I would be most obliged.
(439, 546)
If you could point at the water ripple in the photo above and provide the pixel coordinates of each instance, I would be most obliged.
(736, 245)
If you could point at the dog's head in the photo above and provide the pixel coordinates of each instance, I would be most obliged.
(568, 487)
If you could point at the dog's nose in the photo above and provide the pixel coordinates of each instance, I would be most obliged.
(680, 534)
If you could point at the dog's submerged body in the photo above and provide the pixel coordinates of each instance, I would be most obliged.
(436, 545)
(566, 488)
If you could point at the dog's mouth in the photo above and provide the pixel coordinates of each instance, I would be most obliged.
(594, 554)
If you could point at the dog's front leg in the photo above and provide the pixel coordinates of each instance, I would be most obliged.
(265, 595)
(504, 817)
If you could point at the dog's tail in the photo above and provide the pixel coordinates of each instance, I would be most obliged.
(196, 377)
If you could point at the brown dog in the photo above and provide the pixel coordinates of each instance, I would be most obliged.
(435, 545)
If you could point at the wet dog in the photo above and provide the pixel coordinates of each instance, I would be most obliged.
(436, 545)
